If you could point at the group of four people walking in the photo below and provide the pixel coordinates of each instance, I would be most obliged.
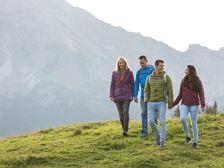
(156, 92)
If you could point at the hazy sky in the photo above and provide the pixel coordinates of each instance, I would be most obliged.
(177, 23)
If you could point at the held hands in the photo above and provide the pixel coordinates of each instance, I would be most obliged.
(170, 106)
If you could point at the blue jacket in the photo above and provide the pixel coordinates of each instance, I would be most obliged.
(141, 76)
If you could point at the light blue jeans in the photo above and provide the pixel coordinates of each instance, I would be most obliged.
(144, 115)
(193, 110)
(158, 109)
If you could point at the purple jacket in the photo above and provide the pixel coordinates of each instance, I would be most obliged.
(122, 86)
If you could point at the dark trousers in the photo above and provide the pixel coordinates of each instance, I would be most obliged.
(123, 110)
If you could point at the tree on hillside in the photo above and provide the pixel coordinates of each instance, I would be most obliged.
(212, 109)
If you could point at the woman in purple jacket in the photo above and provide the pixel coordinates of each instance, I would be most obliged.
(121, 91)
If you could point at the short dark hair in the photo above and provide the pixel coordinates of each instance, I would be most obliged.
(143, 57)
(158, 61)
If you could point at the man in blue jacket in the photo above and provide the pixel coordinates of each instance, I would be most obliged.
(141, 76)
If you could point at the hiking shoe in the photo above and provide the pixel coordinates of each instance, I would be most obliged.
(157, 140)
(125, 134)
(143, 134)
(188, 140)
(162, 144)
(195, 146)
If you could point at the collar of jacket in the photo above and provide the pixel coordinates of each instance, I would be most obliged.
(159, 75)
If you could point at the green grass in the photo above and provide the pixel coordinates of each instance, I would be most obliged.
(102, 145)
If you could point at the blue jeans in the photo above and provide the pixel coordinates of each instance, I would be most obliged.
(193, 110)
(154, 109)
(144, 115)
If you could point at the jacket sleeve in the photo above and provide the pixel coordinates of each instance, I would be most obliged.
(136, 85)
(112, 85)
(169, 91)
(132, 83)
(146, 90)
(179, 97)
(201, 94)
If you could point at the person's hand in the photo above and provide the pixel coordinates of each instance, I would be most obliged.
(202, 110)
(173, 105)
(136, 99)
(112, 99)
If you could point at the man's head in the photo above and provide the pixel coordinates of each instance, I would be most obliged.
(143, 61)
(159, 65)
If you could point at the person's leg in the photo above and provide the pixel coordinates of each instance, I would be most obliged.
(184, 111)
(125, 108)
(144, 116)
(152, 112)
(194, 119)
(162, 119)
(120, 111)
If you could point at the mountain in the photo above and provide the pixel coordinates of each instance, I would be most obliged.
(56, 63)
(102, 145)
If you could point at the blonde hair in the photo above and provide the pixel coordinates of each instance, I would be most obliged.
(117, 68)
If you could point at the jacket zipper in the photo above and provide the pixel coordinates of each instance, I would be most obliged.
(155, 85)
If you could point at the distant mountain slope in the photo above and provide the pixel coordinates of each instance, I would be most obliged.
(56, 63)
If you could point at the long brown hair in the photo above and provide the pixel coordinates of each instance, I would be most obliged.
(191, 80)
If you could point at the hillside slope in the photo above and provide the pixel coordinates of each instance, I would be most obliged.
(101, 145)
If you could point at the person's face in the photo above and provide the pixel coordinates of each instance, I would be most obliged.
(121, 64)
(160, 67)
(143, 63)
(187, 71)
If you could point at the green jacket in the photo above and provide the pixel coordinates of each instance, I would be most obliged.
(155, 89)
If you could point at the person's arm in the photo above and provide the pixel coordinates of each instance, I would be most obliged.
(201, 94)
(112, 85)
(169, 91)
(132, 83)
(136, 84)
(179, 97)
(147, 90)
